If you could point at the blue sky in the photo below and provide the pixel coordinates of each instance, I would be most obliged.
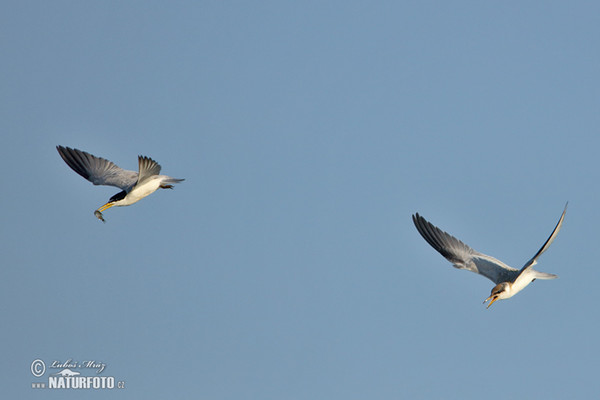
(286, 266)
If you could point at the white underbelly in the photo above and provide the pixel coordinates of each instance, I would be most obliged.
(139, 192)
(522, 281)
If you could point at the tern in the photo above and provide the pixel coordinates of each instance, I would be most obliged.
(134, 185)
(509, 281)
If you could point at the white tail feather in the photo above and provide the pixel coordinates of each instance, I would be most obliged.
(544, 275)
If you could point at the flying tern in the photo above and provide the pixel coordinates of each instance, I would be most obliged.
(509, 281)
(134, 185)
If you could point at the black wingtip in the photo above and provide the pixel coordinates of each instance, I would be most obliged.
(73, 158)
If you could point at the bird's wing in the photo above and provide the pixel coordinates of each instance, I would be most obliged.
(461, 255)
(148, 168)
(533, 260)
(97, 170)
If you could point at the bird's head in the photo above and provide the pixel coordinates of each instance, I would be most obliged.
(499, 292)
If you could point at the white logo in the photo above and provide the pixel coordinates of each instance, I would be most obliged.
(67, 372)
(66, 376)
(38, 368)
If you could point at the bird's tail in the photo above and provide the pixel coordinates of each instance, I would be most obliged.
(165, 183)
(544, 275)
(172, 180)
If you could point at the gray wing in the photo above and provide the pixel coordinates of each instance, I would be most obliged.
(533, 260)
(462, 256)
(148, 168)
(97, 170)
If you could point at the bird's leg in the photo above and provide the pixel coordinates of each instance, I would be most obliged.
(166, 186)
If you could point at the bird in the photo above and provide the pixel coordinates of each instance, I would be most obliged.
(134, 185)
(509, 281)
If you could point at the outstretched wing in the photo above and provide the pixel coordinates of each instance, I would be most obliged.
(461, 255)
(97, 170)
(148, 168)
(533, 260)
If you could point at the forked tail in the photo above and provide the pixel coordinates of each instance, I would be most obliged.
(173, 180)
(544, 275)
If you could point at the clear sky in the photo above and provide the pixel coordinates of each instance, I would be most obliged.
(286, 266)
